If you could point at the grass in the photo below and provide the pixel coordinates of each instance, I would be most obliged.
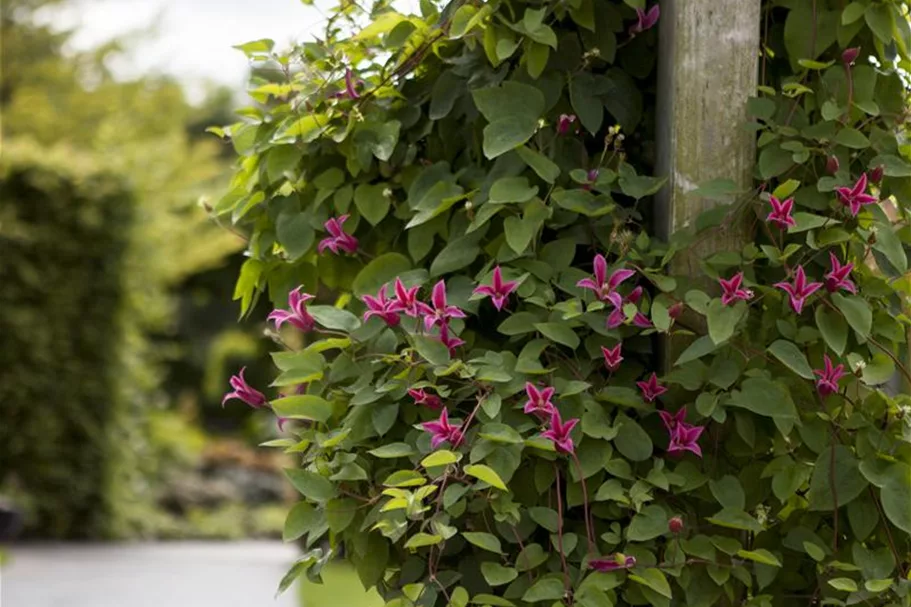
(340, 587)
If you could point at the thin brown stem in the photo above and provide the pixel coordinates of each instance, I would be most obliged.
(566, 583)
(589, 525)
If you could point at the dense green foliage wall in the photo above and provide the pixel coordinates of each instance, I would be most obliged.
(64, 239)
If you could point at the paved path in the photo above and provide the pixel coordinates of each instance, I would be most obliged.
(179, 574)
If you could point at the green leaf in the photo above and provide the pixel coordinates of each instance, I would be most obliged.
(496, 574)
(852, 138)
(489, 600)
(654, 579)
(833, 328)
(334, 318)
(530, 557)
(889, 244)
(791, 357)
(295, 233)
(585, 102)
(722, 320)
(559, 332)
(420, 540)
(764, 397)
(545, 589)
(852, 12)
(301, 519)
(835, 476)
(728, 492)
(696, 350)
(512, 189)
(392, 450)
(536, 56)
(878, 586)
(340, 513)
(512, 111)
(486, 474)
(736, 519)
(880, 21)
(809, 221)
(857, 312)
(405, 478)
(485, 541)
(896, 496)
(303, 406)
(262, 46)
(760, 555)
(519, 232)
(584, 202)
(773, 161)
(540, 164)
(455, 256)
(431, 349)
(717, 188)
(372, 201)
(546, 517)
(378, 272)
(441, 458)
(313, 486)
(845, 584)
(648, 524)
(632, 441)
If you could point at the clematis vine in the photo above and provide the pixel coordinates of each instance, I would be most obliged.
(612, 562)
(731, 291)
(684, 438)
(442, 431)
(406, 300)
(800, 290)
(612, 357)
(338, 239)
(558, 432)
(497, 290)
(450, 341)
(601, 285)
(538, 402)
(439, 312)
(297, 314)
(673, 420)
(564, 123)
(651, 389)
(617, 317)
(243, 391)
(829, 377)
(837, 278)
(856, 196)
(781, 213)
(645, 20)
(382, 307)
(424, 398)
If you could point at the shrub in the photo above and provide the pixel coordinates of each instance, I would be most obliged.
(481, 415)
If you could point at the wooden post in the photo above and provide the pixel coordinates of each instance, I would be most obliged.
(707, 69)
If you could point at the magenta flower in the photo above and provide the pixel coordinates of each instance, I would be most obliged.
(338, 239)
(297, 313)
(673, 420)
(612, 562)
(406, 300)
(497, 289)
(440, 312)
(645, 20)
(422, 397)
(450, 341)
(612, 357)
(601, 284)
(837, 278)
(617, 317)
(684, 439)
(800, 290)
(243, 391)
(538, 402)
(442, 431)
(781, 213)
(828, 377)
(382, 307)
(564, 123)
(731, 291)
(559, 431)
(350, 89)
(592, 177)
(855, 197)
(651, 389)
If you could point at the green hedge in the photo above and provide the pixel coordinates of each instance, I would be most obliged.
(64, 233)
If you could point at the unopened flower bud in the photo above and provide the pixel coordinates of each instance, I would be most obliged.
(876, 175)
(675, 310)
(675, 525)
(832, 165)
(850, 55)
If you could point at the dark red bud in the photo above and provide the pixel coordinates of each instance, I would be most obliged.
(876, 175)
(675, 310)
(832, 165)
(850, 55)
(675, 525)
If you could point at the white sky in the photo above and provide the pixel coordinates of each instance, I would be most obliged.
(190, 39)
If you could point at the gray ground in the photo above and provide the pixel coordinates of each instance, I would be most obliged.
(179, 574)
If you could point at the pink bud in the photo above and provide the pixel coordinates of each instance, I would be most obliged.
(850, 54)
(675, 525)
(832, 165)
(675, 310)
(876, 175)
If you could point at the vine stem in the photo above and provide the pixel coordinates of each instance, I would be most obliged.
(566, 583)
(589, 524)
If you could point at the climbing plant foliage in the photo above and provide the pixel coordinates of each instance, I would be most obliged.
(451, 212)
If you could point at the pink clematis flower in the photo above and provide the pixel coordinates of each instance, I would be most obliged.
(829, 376)
(497, 289)
(731, 291)
(645, 20)
(440, 312)
(684, 439)
(442, 431)
(564, 123)
(382, 307)
(338, 240)
(855, 197)
(612, 562)
(800, 290)
(612, 357)
(601, 284)
(243, 391)
(673, 420)
(406, 300)
(350, 89)
(837, 278)
(617, 317)
(651, 389)
(422, 397)
(297, 313)
(538, 402)
(781, 213)
(558, 432)
(450, 341)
